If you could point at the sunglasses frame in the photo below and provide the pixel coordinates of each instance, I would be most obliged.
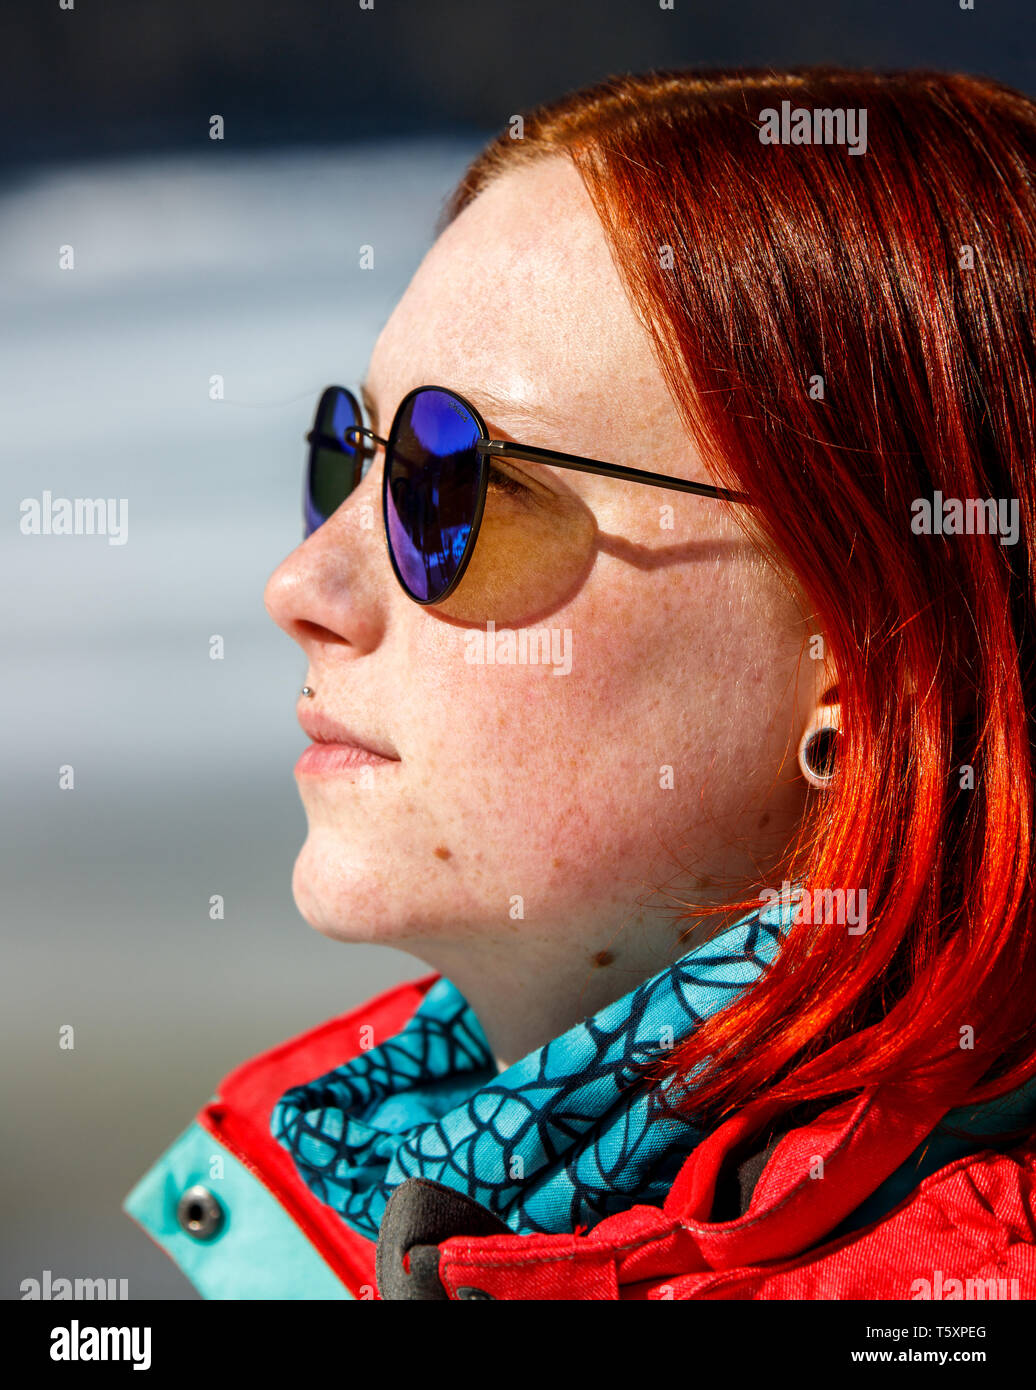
(486, 448)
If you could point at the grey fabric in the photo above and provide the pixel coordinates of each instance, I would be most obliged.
(738, 1177)
(419, 1216)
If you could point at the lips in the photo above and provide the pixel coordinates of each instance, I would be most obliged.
(334, 759)
(323, 730)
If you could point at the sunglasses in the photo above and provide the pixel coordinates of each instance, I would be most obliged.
(438, 461)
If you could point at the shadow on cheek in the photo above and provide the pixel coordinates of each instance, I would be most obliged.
(530, 557)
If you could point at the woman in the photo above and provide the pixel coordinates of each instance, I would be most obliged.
(707, 794)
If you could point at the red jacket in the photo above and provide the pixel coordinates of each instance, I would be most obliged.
(965, 1231)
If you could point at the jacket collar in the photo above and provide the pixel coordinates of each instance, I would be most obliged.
(798, 1202)
(815, 1178)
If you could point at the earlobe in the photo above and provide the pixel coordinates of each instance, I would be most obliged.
(818, 748)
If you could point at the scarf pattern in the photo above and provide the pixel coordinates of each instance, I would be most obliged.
(562, 1138)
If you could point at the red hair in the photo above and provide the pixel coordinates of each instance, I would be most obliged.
(795, 260)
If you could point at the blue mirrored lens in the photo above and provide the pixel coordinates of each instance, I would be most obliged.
(432, 483)
(333, 468)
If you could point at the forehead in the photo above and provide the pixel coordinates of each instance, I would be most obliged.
(519, 298)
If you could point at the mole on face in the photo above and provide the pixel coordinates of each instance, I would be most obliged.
(603, 958)
(441, 852)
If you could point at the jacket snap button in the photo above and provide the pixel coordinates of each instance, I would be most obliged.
(199, 1213)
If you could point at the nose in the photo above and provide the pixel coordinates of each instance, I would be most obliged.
(335, 588)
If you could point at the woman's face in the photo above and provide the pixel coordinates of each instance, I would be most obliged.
(534, 808)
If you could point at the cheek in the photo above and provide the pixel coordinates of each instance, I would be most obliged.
(658, 741)
(562, 776)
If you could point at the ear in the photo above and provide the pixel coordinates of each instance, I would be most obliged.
(818, 743)
(818, 748)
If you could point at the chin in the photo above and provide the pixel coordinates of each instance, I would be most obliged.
(346, 898)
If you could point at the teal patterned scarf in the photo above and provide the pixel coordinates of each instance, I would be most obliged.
(563, 1138)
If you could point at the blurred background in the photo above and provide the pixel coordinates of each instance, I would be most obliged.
(193, 257)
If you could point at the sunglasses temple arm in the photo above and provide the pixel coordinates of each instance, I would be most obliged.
(531, 454)
(504, 448)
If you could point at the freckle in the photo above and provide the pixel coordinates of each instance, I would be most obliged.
(556, 863)
(765, 820)
(441, 852)
(603, 958)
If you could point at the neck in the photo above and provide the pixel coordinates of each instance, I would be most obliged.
(529, 990)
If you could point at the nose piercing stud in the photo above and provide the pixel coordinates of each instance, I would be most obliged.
(308, 691)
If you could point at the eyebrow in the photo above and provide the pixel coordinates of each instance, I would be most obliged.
(490, 406)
